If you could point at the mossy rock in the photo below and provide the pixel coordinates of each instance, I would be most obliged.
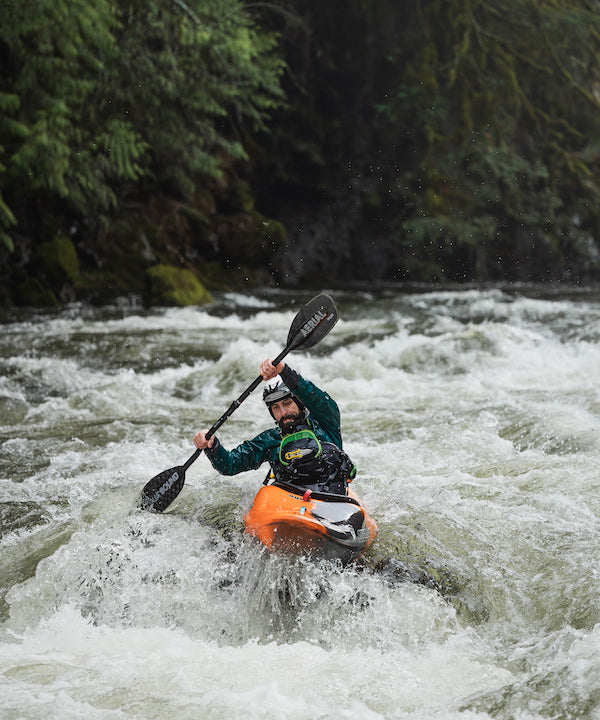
(30, 292)
(56, 262)
(169, 285)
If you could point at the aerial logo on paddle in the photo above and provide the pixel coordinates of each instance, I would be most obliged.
(314, 321)
(171, 480)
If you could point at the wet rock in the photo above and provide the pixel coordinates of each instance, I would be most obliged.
(29, 292)
(169, 285)
(49, 276)
(56, 262)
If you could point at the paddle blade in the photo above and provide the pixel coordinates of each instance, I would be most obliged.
(312, 323)
(160, 492)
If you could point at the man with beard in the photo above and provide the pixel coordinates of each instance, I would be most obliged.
(305, 449)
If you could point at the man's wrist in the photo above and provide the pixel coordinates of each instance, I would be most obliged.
(211, 451)
(290, 377)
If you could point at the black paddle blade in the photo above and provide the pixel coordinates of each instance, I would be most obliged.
(313, 322)
(160, 492)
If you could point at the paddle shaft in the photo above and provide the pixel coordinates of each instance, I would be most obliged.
(235, 405)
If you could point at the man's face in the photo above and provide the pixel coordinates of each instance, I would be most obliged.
(286, 413)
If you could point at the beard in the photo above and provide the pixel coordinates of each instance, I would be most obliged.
(288, 423)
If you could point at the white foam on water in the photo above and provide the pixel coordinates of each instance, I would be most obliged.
(473, 418)
(67, 667)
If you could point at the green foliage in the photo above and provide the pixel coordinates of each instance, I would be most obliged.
(191, 81)
(475, 123)
(104, 100)
(54, 51)
(468, 130)
(501, 101)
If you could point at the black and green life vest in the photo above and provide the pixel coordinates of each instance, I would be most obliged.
(308, 462)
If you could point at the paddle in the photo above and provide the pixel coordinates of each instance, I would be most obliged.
(310, 326)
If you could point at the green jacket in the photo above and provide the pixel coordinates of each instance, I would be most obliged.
(324, 419)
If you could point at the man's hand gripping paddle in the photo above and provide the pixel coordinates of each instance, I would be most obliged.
(312, 323)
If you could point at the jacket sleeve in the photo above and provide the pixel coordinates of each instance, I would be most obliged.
(322, 406)
(249, 455)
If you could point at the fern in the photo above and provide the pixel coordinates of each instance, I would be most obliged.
(102, 96)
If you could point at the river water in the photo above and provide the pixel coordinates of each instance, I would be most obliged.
(474, 419)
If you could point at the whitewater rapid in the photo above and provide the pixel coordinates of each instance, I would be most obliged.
(474, 419)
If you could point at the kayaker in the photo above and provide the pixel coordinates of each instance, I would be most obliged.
(305, 448)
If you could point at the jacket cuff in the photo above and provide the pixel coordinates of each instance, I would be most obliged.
(290, 377)
(212, 451)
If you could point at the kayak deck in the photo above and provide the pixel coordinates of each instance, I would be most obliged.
(287, 518)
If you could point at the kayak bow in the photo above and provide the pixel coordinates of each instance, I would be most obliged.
(289, 519)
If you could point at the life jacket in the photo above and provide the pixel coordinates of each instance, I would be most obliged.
(308, 462)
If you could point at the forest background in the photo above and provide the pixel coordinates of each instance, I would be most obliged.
(162, 149)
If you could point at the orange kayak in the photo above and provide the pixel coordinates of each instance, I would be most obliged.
(289, 519)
